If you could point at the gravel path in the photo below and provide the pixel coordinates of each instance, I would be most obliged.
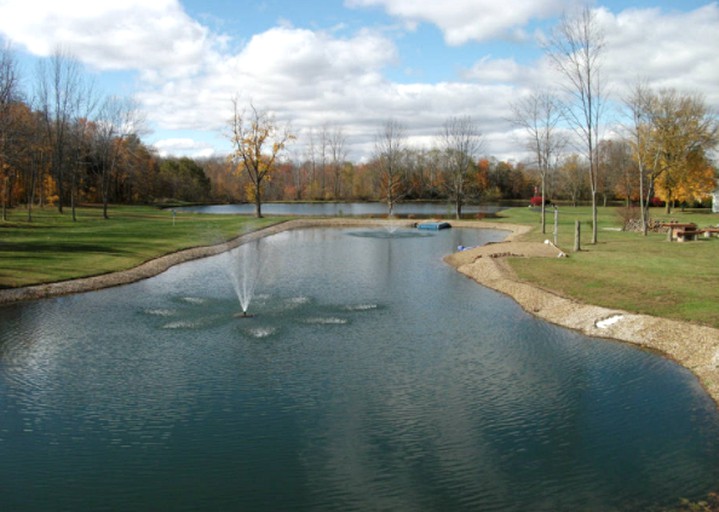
(693, 346)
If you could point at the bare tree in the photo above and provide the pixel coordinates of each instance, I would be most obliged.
(61, 96)
(389, 149)
(538, 115)
(338, 154)
(8, 96)
(322, 150)
(460, 142)
(118, 118)
(638, 105)
(258, 141)
(576, 48)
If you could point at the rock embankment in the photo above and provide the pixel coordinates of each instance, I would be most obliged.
(693, 346)
(158, 265)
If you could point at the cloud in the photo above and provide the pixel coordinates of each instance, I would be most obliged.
(674, 49)
(184, 146)
(462, 21)
(155, 36)
(188, 74)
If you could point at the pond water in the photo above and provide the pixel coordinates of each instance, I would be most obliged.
(372, 377)
(344, 209)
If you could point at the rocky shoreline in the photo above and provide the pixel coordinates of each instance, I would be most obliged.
(693, 346)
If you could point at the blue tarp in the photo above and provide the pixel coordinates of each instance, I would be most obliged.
(435, 226)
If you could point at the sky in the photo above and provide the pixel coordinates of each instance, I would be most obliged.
(352, 64)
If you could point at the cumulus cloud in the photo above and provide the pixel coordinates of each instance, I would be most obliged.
(155, 36)
(471, 20)
(184, 146)
(674, 49)
(188, 75)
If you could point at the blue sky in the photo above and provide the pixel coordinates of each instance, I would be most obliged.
(352, 64)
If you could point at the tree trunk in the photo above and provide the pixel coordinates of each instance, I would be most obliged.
(577, 236)
(650, 193)
(258, 200)
(31, 197)
(544, 214)
(594, 217)
(4, 199)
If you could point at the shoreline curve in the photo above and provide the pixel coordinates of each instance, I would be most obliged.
(693, 346)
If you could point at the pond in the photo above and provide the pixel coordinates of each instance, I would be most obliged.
(372, 376)
(421, 209)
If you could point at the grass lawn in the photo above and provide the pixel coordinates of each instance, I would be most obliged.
(626, 270)
(53, 248)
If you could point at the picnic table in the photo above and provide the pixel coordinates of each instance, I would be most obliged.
(681, 231)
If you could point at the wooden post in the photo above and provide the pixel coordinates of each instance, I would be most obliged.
(577, 233)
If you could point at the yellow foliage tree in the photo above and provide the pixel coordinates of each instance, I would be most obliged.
(257, 142)
(682, 130)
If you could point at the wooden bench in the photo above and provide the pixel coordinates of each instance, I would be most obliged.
(685, 235)
(709, 232)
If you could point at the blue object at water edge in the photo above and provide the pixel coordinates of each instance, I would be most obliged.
(434, 226)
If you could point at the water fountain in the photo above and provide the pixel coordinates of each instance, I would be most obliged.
(244, 268)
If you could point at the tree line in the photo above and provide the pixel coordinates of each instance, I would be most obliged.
(65, 144)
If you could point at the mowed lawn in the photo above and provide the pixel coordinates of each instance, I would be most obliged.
(627, 270)
(624, 270)
(54, 248)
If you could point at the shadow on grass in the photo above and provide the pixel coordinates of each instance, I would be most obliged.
(50, 247)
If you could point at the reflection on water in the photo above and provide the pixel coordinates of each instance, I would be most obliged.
(345, 209)
(372, 376)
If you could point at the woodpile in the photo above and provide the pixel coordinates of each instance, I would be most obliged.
(653, 226)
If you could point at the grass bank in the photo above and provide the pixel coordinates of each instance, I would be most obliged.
(53, 248)
(627, 270)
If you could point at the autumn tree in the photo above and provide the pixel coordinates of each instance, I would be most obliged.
(257, 142)
(616, 176)
(460, 142)
(538, 115)
(571, 173)
(9, 96)
(118, 118)
(682, 131)
(60, 95)
(576, 48)
(389, 156)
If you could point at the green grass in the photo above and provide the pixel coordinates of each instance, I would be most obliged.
(626, 270)
(53, 248)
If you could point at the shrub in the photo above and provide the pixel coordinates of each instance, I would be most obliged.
(537, 201)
